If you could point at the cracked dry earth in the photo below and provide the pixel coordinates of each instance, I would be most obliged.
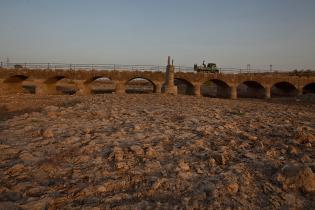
(155, 152)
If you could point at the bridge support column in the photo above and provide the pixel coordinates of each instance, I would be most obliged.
(233, 92)
(267, 92)
(43, 88)
(7, 88)
(158, 88)
(172, 90)
(300, 90)
(120, 88)
(83, 88)
(197, 91)
(1, 87)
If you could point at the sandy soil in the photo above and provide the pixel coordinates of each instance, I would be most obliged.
(151, 151)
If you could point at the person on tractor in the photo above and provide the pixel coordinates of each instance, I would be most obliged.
(203, 64)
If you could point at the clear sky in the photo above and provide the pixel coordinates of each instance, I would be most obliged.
(231, 33)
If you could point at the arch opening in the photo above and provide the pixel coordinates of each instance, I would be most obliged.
(309, 88)
(184, 87)
(15, 79)
(60, 85)
(102, 85)
(140, 85)
(29, 86)
(215, 88)
(66, 86)
(250, 89)
(283, 89)
(18, 84)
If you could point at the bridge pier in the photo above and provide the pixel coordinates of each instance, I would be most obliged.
(120, 87)
(300, 90)
(7, 88)
(1, 87)
(267, 92)
(197, 89)
(43, 88)
(233, 94)
(83, 88)
(158, 88)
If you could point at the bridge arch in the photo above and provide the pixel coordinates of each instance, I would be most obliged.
(60, 84)
(54, 79)
(92, 79)
(250, 89)
(101, 85)
(216, 88)
(140, 85)
(184, 86)
(309, 88)
(15, 79)
(18, 84)
(283, 89)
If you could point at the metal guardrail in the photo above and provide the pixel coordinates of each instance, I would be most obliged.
(64, 66)
(121, 67)
(232, 70)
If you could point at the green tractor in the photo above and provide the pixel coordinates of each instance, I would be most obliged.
(210, 68)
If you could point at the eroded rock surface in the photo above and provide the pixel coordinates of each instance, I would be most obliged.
(151, 151)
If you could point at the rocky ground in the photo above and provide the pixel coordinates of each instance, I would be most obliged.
(151, 151)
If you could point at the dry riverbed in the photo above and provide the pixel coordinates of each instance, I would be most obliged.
(155, 151)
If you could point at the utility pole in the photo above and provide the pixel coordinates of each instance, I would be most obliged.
(8, 62)
(270, 68)
(248, 67)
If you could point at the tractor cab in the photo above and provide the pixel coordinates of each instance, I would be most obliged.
(210, 68)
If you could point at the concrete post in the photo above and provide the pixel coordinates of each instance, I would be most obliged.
(43, 88)
(120, 87)
(197, 91)
(267, 92)
(233, 92)
(158, 88)
(83, 88)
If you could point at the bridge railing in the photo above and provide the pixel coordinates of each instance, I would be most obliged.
(184, 68)
(225, 70)
(122, 67)
(102, 67)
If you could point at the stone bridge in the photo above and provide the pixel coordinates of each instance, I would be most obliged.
(259, 85)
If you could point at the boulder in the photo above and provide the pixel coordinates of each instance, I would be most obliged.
(137, 150)
(232, 188)
(48, 133)
(296, 176)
